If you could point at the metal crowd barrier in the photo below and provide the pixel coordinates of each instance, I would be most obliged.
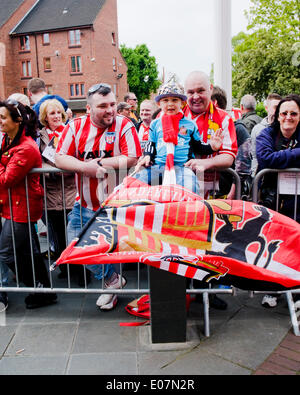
(139, 280)
(256, 198)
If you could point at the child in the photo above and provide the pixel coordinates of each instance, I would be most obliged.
(173, 135)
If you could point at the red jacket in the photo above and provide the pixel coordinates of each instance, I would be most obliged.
(15, 164)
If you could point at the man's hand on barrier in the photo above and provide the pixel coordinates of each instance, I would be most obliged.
(216, 140)
(144, 161)
(196, 164)
(218, 162)
(93, 169)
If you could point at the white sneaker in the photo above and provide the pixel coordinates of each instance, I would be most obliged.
(297, 305)
(110, 305)
(3, 301)
(109, 301)
(269, 301)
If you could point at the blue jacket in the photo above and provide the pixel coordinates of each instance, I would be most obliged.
(189, 142)
(268, 155)
(273, 153)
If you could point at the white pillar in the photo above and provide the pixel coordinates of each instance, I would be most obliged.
(222, 67)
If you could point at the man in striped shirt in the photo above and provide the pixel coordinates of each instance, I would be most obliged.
(89, 146)
(208, 118)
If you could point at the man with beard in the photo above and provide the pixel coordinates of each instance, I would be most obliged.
(89, 146)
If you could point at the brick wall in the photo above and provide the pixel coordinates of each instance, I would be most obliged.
(7, 72)
(96, 50)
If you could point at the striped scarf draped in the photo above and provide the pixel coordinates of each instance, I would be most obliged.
(55, 133)
(170, 126)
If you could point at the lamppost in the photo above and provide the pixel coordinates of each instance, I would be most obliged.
(223, 56)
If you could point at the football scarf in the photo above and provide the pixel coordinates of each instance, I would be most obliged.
(55, 133)
(211, 122)
(170, 127)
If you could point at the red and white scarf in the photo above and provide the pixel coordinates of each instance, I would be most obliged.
(170, 126)
(55, 133)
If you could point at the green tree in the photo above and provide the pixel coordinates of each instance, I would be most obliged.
(142, 74)
(266, 60)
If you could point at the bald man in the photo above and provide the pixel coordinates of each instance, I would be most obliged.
(209, 118)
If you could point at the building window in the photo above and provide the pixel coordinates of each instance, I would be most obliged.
(46, 39)
(77, 90)
(115, 90)
(76, 66)
(49, 89)
(74, 37)
(26, 69)
(47, 64)
(24, 43)
(113, 36)
(114, 64)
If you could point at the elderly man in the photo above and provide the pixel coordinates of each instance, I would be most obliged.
(249, 116)
(90, 145)
(271, 104)
(209, 118)
(147, 109)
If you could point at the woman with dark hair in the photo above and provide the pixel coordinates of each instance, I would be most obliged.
(19, 154)
(278, 147)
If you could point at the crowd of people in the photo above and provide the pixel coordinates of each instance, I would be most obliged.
(190, 122)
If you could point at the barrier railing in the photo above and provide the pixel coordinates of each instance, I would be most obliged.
(291, 185)
(138, 283)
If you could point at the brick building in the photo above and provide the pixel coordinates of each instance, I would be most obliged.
(71, 44)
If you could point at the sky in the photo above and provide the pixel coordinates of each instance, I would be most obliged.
(179, 34)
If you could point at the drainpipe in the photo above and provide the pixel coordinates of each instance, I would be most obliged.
(36, 56)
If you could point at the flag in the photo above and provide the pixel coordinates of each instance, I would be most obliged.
(238, 243)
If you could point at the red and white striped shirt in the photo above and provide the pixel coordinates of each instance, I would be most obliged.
(143, 134)
(85, 141)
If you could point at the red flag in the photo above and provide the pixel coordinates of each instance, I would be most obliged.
(240, 243)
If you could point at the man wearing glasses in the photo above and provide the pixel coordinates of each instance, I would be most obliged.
(89, 146)
(131, 99)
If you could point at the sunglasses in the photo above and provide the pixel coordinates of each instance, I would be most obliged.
(15, 104)
(286, 113)
(97, 88)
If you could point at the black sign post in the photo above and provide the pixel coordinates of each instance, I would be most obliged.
(168, 306)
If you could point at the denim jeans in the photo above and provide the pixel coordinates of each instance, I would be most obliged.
(153, 175)
(74, 228)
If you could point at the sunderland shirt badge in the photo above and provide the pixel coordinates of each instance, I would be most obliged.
(110, 137)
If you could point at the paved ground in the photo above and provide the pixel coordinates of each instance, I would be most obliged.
(73, 337)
